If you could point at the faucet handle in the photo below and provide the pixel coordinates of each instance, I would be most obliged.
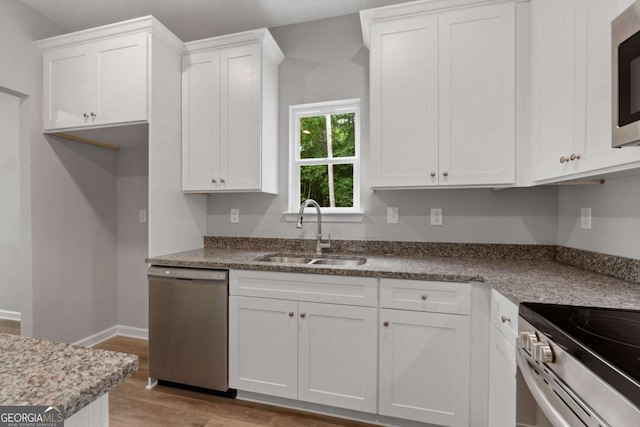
(327, 244)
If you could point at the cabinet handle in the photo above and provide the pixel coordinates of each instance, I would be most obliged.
(433, 174)
(302, 315)
(291, 314)
(85, 115)
(505, 319)
(424, 297)
(93, 114)
(574, 156)
(445, 173)
(564, 159)
(214, 180)
(222, 180)
(386, 323)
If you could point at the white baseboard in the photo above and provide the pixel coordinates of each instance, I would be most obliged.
(10, 315)
(117, 330)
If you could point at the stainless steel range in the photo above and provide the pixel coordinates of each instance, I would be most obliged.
(581, 364)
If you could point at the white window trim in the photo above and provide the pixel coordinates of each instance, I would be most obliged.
(351, 214)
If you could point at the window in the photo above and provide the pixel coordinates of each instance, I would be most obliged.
(325, 155)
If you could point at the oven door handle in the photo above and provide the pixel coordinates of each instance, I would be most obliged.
(552, 414)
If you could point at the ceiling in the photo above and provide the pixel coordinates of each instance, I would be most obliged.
(198, 19)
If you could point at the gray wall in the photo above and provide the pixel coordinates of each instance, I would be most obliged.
(133, 237)
(326, 60)
(615, 209)
(21, 74)
(10, 203)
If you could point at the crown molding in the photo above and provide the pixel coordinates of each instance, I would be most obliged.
(261, 35)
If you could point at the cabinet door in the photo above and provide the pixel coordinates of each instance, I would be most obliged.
(263, 346)
(477, 96)
(502, 381)
(404, 102)
(201, 121)
(424, 367)
(240, 150)
(121, 83)
(558, 72)
(67, 87)
(337, 356)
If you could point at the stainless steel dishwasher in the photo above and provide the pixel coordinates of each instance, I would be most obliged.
(188, 326)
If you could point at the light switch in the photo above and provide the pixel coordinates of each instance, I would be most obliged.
(585, 218)
(142, 216)
(392, 215)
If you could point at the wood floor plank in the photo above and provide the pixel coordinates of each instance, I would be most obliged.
(131, 404)
(9, 327)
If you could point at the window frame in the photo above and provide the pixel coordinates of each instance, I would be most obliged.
(296, 112)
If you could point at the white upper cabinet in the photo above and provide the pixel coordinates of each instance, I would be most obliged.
(571, 89)
(442, 95)
(97, 78)
(229, 116)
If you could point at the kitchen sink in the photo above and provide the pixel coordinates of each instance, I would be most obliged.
(318, 260)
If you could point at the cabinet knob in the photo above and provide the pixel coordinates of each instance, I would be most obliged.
(505, 319)
(93, 114)
(423, 297)
(303, 315)
(445, 173)
(433, 174)
(222, 180)
(291, 314)
(85, 115)
(214, 180)
(386, 323)
(564, 159)
(574, 156)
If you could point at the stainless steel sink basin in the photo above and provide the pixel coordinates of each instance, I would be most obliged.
(338, 261)
(288, 259)
(319, 260)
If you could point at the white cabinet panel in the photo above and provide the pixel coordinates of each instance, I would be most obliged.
(240, 117)
(121, 79)
(263, 337)
(96, 83)
(201, 120)
(424, 367)
(337, 356)
(502, 381)
(425, 295)
(67, 87)
(404, 102)
(477, 96)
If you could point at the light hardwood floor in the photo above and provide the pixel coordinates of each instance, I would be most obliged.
(9, 327)
(130, 404)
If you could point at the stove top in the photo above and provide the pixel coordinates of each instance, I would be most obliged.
(607, 341)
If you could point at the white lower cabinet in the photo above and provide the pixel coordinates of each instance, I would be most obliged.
(319, 353)
(424, 367)
(502, 381)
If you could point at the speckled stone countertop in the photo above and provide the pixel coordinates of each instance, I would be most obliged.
(520, 280)
(40, 372)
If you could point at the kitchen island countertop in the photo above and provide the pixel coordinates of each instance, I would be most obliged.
(42, 373)
(519, 280)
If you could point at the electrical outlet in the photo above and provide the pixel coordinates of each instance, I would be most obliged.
(235, 216)
(436, 216)
(142, 216)
(585, 218)
(392, 215)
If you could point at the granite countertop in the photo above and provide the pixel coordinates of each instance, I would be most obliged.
(519, 280)
(40, 372)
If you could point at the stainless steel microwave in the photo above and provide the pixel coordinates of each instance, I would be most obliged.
(625, 62)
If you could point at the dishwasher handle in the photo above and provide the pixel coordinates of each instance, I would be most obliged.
(187, 273)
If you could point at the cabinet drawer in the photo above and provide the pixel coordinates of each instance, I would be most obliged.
(420, 295)
(324, 288)
(504, 316)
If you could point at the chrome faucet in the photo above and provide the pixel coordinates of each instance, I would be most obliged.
(320, 245)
